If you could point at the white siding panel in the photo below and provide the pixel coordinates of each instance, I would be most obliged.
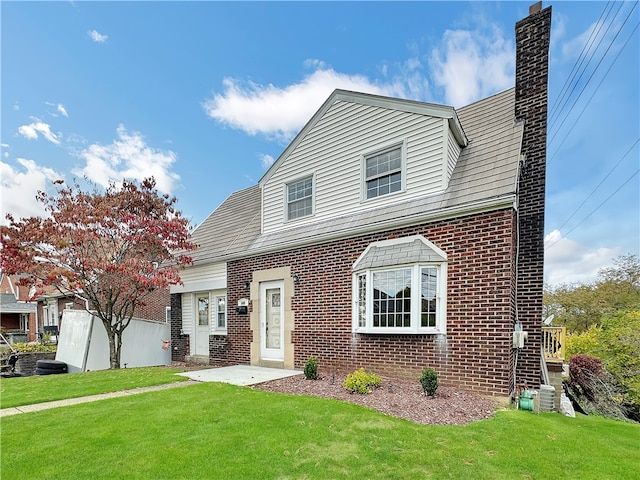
(453, 153)
(333, 151)
(187, 313)
(202, 277)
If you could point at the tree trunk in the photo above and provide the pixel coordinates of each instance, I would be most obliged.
(115, 347)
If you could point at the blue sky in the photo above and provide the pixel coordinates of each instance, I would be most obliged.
(204, 96)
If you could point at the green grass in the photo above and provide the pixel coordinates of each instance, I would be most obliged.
(211, 430)
(15, 392)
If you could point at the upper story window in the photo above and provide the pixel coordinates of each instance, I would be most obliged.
(300, 198)
(384, 172)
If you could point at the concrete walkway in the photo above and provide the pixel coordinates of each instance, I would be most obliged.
(242, 375)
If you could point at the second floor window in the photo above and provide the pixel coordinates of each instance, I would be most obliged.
(300, 198)
(383, 172)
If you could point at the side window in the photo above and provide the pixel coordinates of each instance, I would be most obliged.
(383, 172)
(221, 311)
(300, 198)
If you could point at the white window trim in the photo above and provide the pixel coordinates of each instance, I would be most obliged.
(297, 179)
(215, 329)
(375, 151)
(415, 328)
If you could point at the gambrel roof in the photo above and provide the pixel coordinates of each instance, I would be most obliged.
(484, 178)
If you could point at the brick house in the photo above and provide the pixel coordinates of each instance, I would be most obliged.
(17, 311)
(51, 304)
(391, 235)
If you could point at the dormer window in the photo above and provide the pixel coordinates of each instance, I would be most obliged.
(300, 198)
(383, 172)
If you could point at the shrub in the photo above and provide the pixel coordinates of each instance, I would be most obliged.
(361, 381)
(311, 368)
(429, 381)
(34, 347)
(593, 389)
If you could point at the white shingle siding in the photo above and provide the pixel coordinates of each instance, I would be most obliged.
(333, 152)
(187, 313)
(453, 153)
(204, 277)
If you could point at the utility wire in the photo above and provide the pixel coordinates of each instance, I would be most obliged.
(597, 186)
(594, 71)
(593, 94)
(595, 209)
(579, 60)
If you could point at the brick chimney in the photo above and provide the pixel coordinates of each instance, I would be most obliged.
(532, 68)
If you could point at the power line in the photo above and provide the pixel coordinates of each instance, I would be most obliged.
(598, 186)
(595, 209)
(580, 59)
(594, 71)
(593, 94)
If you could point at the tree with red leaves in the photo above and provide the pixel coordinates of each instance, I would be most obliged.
(110, 249)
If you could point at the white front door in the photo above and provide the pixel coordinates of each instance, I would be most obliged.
(272, 321)
(202, 319)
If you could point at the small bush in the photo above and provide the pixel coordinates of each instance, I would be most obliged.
(429, 381)
(34, 347)
(361, 381)
(311, 368)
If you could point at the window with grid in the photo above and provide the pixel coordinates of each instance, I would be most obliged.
(300, 198)
(383, 172)
(400, 300)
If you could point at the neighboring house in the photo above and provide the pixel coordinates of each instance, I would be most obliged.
(391, 235)
(17, 312)
(51, 305)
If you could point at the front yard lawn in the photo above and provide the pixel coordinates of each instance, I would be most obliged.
(212, 430)
(15, 392)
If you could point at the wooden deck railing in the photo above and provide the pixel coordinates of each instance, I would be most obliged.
(553, 343)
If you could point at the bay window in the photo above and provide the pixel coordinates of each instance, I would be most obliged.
(407, 298)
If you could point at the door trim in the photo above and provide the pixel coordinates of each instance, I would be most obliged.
(266, 353)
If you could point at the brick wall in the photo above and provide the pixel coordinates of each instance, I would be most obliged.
(476, 351)
(532, 53)
(179, 343)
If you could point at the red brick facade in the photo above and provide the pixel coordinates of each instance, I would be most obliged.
(494, 277)
(480, 306)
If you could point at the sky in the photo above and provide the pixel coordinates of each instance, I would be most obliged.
(204, 96)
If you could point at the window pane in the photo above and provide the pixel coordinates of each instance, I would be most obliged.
(428, 296)
(384, 173)
(222, 312)
(300, 198)
(362, 300)
(203, 311)
(392, 298)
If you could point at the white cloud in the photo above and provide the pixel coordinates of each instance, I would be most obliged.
(281, 112)
(31, 132)
(59, 108)
(5, 147)
(128, 157)
(567, 261)
(97, 36)
(18, 189)
(267, 161)
(473, 64)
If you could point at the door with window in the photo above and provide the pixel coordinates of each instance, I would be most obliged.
(202, 324)
(272, 321)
